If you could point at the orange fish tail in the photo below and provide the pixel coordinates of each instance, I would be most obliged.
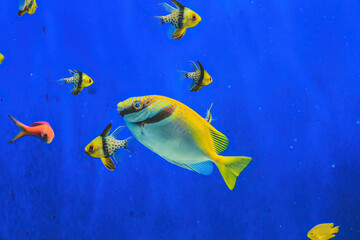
(21, 127)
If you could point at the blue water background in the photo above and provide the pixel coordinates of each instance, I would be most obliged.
(285, 92)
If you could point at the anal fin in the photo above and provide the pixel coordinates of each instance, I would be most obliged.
(179, 33)
(108, 163)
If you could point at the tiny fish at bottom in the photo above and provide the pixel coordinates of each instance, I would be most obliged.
(180, 135)
(41, 130)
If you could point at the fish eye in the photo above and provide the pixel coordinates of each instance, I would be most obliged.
(194, 17)
(45, 135)
(137, 105)
(91, 148)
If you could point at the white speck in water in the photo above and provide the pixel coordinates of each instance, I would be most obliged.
(31, 74)
(229, 86)
(358, 122)
(252, 2)
(259, 108)
(291, 147)
(198, 221)
(295, 139)
(130, 156)
(280, 226)
(333, 166)
(85, 103)
(82, 115)
(301, 9)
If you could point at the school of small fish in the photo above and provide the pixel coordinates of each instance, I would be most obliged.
(167, 127)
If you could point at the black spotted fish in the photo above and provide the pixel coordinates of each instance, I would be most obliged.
(180, 135)
(200, 77)
(27, 6)
(105, 147)
(181, 19)
(79, 80)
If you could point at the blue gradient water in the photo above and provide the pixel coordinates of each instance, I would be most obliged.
(285, 92)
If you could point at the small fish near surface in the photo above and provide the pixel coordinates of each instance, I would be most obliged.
(105, 147)
(27, 6)
(181, 19)
(323, 231)
(1, 58)
(200, 77)
(79, 80)
(41, 130)
(180, 135)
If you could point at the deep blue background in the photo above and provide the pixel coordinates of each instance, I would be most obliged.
(285, 92)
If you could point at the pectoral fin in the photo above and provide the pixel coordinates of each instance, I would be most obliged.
(108, 163)
(77, 90)
(179, 33)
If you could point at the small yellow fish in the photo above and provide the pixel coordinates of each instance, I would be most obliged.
(105, 146)
(180, 135)
(27, 6)
(181, 18)
(1, 58)
(79, 80)
(200, 76)
(323, 231)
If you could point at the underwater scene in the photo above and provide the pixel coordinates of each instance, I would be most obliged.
(179, 119)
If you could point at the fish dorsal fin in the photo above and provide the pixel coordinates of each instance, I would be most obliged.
(193, 65)
(167, 7)
(37, 124)
(22, 4)
(108, 163)
(219, 140)
(179, 5)
(72, 72)
(208, 117)
(117, 132)
(106, 130)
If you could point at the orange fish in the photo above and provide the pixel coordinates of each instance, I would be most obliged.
(41, 130)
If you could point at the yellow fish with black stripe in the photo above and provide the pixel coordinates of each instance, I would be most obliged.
(180, 135)
(323, 231)
(181, 19)
(27, 6)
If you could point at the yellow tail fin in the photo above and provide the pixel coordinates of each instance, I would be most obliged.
(231, 167)
(336, 229)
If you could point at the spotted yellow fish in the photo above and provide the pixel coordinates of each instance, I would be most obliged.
(27, 6)
(79, 80)
(180, 135)
(105, 147)
(323, 231)
(1, 58)
(181, 19)
(200, 77)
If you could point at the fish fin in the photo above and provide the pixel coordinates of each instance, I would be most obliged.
(179, 5)
(21, 12)
(106, 130)
(219, 140)
(72, 72)
(167, 7)
(21, 127)
(161, 19)
(62, 81)
(77, 90)
(194, 65)
(231, 167)
(195, 87)
(182, 74)
(204, 168)
(108, 163)
(170, 31)
(22, 4)
(117, 132)
(335, 229)
(179, 33)
(208, 117)
(37, 124)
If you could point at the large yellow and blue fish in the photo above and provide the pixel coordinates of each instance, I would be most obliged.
(79, 80)
(180, 135)
(323, 231)
(181, 18)
(27, 6)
